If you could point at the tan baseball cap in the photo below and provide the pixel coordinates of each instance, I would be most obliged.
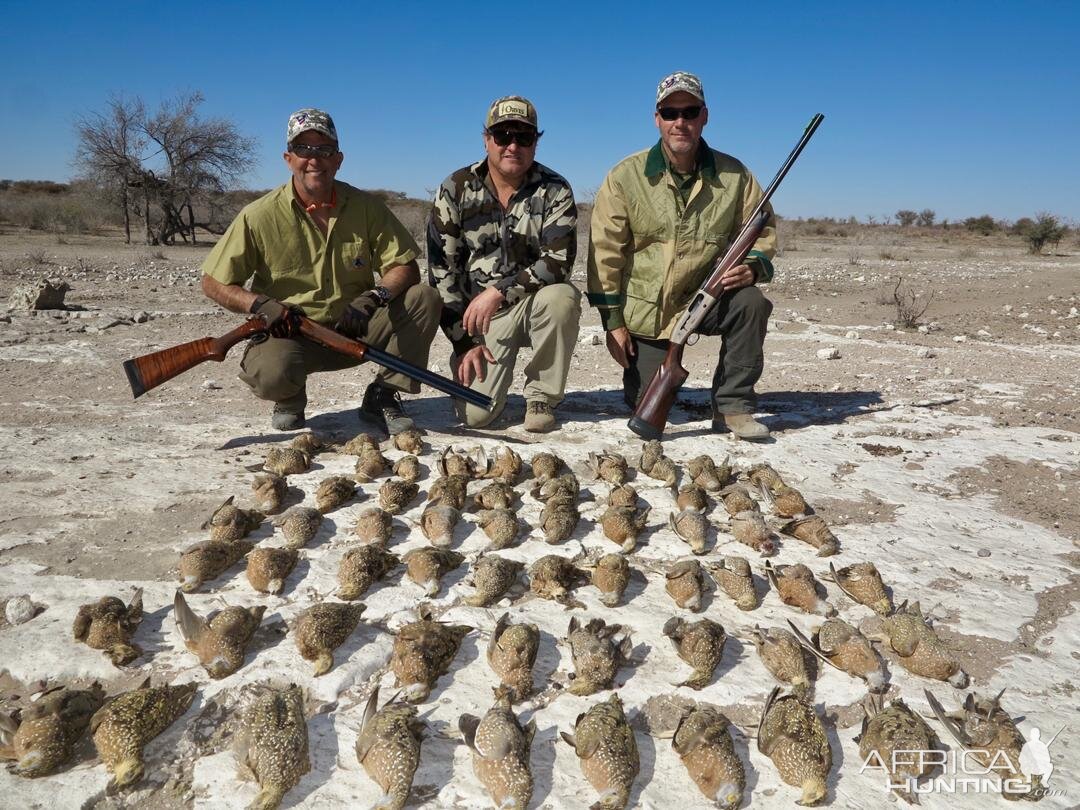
(680, 81)
(511, 108)
(311, 120)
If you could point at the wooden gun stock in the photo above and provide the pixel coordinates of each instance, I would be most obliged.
(151, 370)
(651, 415)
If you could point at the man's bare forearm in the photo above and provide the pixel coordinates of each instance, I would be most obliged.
(231, 296)
(399, 278)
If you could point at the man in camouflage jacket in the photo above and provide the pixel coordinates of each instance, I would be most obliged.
(660, 221)
(501, 246)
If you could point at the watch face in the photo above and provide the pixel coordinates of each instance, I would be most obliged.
(384, 294)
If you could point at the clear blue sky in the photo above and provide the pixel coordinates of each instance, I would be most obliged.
(963, 107)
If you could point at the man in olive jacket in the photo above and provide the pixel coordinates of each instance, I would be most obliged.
(660, 221)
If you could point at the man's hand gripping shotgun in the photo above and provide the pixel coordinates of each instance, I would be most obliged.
(151, 370)
(651, 415)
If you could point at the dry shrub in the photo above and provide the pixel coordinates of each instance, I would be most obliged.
(909, 308)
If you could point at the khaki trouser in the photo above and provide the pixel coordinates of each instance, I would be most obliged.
(276, 369)
(547, 321)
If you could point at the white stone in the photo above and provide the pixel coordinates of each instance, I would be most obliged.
(19, 609)
(959, 338)
(852, 335)
(211, 385)
(831, 353)
(926, 352)
(983, 333)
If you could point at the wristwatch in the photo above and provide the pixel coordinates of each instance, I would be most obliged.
(383, 294)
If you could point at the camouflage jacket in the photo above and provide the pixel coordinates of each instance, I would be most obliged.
(474, 244)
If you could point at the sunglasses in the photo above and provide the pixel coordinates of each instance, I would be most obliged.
(303, 150)
(687, 113)
(522, 137)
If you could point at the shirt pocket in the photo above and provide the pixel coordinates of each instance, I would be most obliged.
(356, 270)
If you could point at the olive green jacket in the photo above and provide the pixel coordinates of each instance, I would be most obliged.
(649, 254)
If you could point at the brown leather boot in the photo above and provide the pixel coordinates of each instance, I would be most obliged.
(743, 425)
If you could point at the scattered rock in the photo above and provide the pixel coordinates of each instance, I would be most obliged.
(19, 609)
(959, 338)
(141, 317)
(983, 552)
(46, 294)
(211, 385)
(926, 352)
(852, 335)
(832, 353)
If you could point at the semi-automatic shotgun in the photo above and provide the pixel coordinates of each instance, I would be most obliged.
(651, 415)
(151, 370)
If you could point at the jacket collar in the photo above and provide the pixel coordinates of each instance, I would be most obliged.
(657, 163)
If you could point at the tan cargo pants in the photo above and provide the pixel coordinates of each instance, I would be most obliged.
(276, 369)
(548, 322)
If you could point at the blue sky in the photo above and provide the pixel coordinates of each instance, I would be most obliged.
(965, 108)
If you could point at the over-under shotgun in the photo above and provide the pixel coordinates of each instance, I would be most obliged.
(151, 370)
(651, 415)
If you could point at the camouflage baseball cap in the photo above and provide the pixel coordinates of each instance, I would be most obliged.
(680, 81)
(311, 120)
(511, 108)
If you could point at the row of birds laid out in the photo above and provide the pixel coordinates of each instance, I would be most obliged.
(272, 743)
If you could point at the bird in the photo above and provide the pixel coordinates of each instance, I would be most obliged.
(388, 747)
(624, 495)
(458, 462)
(610, 467)
(764, 475)
(887, 737)
(496, 495)
(370, 463)
(736, 498)
(359, 444)
(407, 468)
(310, 443)
(450, 489)
(862, 582)
(272, 744)
(220, 641)
(684, 583)
(700, 644)
(500, 525)
(703, 742)
(500, 747)
(423, 650)
(782, 655)
(796, 587)
(703, 472)
(734, 577)
(123, 726)
(324, 627)
(611, 575)
(43, 736)
(565, 486)
(505, 467)
(692, 527)
(437, 522)
(840, 645)
(492, 576)
(545, 466)
(108, 624)
(813, 531)
(558, 519)
(596, 654)
(286, 461)
(791, 734)
(552, 577)
(267, 568)
(916, 645)
(427, 565)
(607, 751)
(623, 524)
(361, 567)
(374, 525)
(511, 654)
(299, 524)
(335, 491)
(269, 491)
(208, 560)
(656, 465)
(785, 501)
(991, 738)
(409, 441)
(691, 496)
(229, 523)
(750, 529)
(395, 496)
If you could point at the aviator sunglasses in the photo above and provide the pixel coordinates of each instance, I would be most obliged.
(303, 150)
(687, 113)
(522, 137)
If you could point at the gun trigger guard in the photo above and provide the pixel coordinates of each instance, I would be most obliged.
(692, 339)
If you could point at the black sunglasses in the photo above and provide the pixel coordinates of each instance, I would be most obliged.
(303, 150)
(671, 113)
(522, 137)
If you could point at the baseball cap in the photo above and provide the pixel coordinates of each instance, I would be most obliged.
(311, 120)
(680, 81)
(511, 108)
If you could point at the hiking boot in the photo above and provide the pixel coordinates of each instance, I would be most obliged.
(539, 416)
(743, 425)
(283, 419)
(382, 406)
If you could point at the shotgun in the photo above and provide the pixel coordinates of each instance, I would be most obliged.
(151, 370)
(651, 415)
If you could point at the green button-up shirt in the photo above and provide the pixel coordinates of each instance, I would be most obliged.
(275, 243)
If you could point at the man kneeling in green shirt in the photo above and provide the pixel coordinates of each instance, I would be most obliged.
(316, 245)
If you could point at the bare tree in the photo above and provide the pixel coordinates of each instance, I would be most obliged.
(175, 159)
(909, 309)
